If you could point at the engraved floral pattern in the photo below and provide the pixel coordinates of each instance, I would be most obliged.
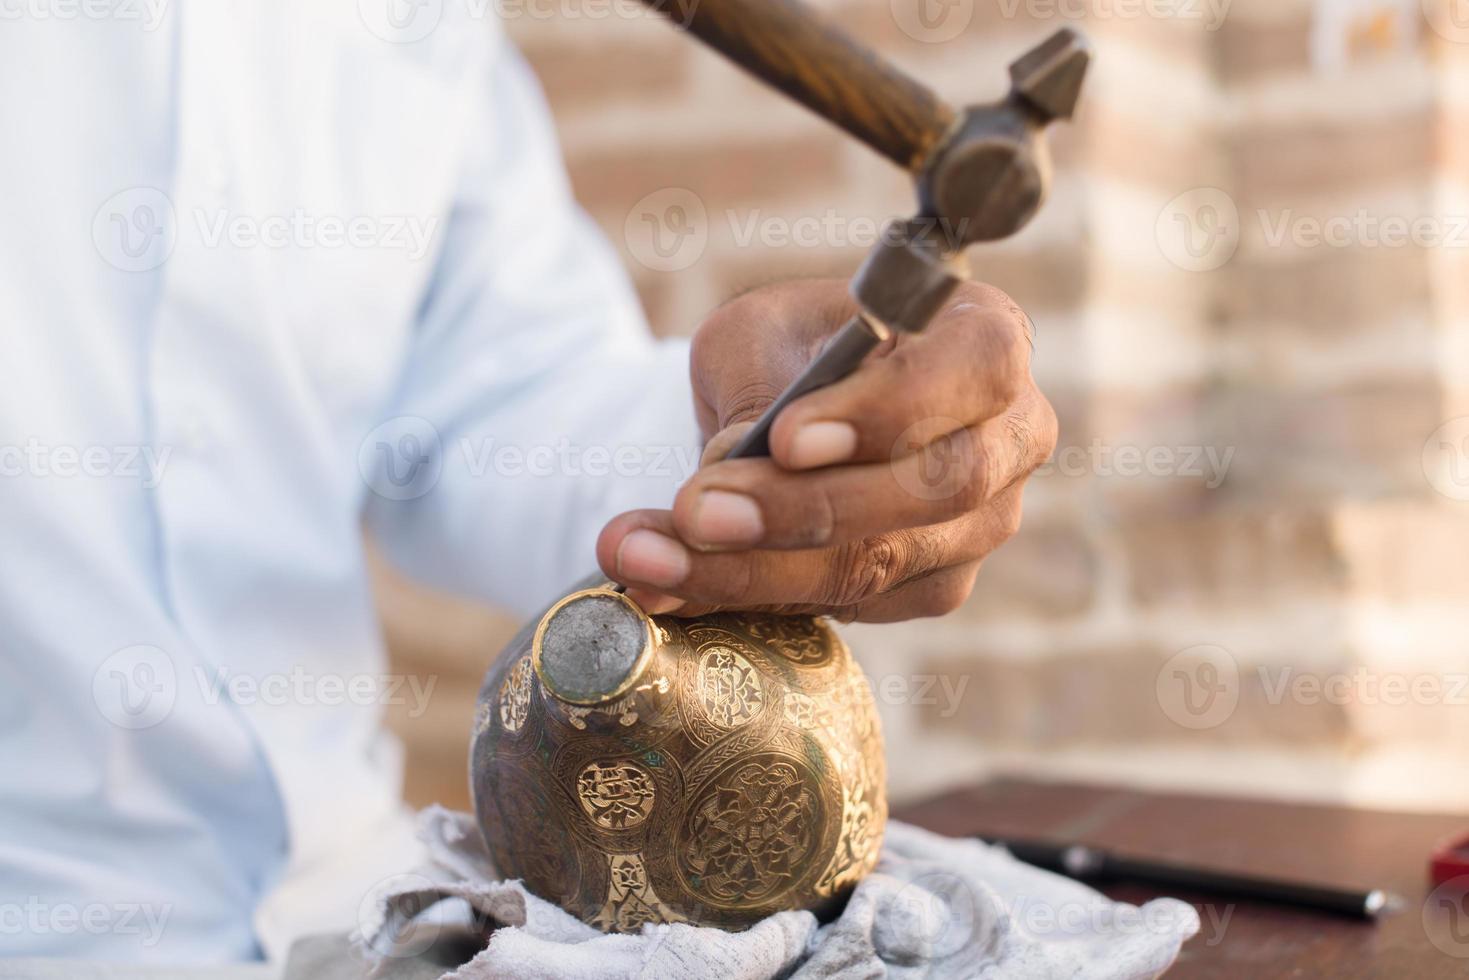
(800, 711)
(751, 832)
(515, 696)
(631, 899)
(800, 639)
(729, 687)
(616, 795)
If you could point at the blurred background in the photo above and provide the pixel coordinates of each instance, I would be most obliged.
(1247, 566)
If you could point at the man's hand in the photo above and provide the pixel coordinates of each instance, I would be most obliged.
(884, 492)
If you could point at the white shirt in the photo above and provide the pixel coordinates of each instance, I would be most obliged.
(266, 276)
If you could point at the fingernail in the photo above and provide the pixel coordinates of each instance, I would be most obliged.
(653, 559)
(725, 518)
(654, 603)
(823, 443)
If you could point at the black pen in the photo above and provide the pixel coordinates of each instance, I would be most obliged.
(1087, 863)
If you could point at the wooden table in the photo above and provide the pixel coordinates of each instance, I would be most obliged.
(1241, 939)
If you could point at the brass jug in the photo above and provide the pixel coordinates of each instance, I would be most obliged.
(716, 770)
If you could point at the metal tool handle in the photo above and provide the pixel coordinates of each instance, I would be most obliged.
(788, 45)
(839, 358)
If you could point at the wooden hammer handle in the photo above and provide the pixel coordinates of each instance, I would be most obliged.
(793, 48)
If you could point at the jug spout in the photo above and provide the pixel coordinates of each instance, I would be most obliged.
(592, 646)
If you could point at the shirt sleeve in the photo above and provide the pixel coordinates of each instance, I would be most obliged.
(535, 404)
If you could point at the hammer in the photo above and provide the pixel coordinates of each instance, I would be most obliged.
(981, 174)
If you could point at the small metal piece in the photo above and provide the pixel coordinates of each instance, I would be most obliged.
(1376, 903)
(1049, 76)
(1080, 861)
(990, 177)
(592, 646)
(909, 276)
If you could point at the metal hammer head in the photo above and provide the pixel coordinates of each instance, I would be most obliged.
(991, 174)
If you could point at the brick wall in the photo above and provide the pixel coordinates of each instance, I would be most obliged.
(1245, 567)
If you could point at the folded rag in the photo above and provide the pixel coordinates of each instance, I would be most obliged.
(935, 907)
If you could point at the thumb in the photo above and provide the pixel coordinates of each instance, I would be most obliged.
(724, 440)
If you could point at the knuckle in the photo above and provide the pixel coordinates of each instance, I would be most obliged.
(742, 313)
(947, 477)
(1046, 429)
(907, 397)
(1003, 357)
(1005, 330)
(967, 495)
(713, 337)
(1024, 443)
(820, 519)
(1010, 518)
(984, 294)
(968, 471)
(906, 359)
(1001, 342)
(706, 336)
(862, 570)
(745, 401)
(945, 594)
(977, 478)
(1032, 434)
(732, 583)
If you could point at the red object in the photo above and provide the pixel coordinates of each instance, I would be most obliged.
(1450, 861)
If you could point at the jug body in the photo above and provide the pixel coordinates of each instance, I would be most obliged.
(712, 770)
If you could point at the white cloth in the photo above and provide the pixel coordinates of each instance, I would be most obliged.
(935, 908)
(268, 274)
